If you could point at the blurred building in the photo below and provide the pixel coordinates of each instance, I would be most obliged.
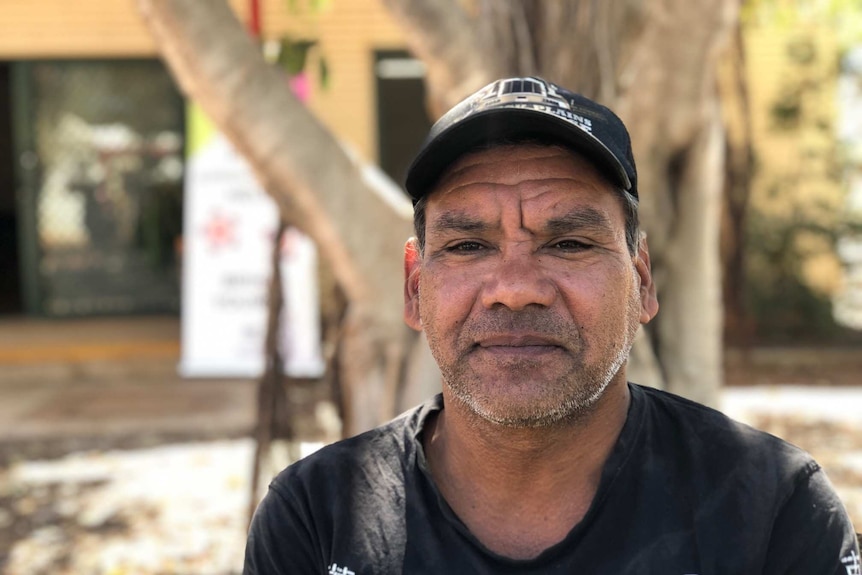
(92, 142)
(848, 301)
(92, 150)
(798, 202)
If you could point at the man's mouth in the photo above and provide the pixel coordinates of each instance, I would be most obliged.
(523, 345)
(515, 341)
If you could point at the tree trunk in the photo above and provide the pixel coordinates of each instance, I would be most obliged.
(655, 63)
(359, 222)
(740, 167)
(671, 104)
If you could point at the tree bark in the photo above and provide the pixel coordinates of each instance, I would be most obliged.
(740, 168)
(671, 103)
(358, 220)
(450, 44)
(655, 63)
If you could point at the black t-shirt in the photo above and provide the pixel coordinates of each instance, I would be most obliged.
(686, 491)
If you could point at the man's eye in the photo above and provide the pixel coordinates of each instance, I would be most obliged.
(571, 245)
(462, 247)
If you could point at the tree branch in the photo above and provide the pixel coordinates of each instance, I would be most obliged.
(445, 38)
(317, 185)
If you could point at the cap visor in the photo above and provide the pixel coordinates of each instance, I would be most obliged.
(501, 124)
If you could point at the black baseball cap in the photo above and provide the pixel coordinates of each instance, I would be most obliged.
(531, 108)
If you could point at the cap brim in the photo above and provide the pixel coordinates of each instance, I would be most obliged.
(501, 124)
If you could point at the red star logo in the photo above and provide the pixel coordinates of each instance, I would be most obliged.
(220, 231)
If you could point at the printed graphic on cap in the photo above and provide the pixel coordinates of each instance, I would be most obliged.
(529, 94)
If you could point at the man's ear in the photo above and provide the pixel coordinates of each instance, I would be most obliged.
(649, 300)
(412, 269)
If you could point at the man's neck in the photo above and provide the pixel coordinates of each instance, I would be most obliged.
(520, 490)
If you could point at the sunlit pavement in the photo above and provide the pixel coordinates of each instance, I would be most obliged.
(126, 408)
(110, 463)
(181, 508)
(109, 380)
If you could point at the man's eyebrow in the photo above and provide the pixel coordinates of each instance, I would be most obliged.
(454, 221)
(582, 218)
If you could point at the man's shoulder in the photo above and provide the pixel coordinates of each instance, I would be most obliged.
(719, 441)
(340, 505)
(718, 465)
(752, 491)
(382, 450)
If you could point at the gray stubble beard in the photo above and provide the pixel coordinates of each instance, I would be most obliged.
(581, 388)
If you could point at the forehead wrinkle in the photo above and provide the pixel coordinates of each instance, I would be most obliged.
(540, 185)
(578, 219)
(520, 165)
(479, 161)
(459, 221)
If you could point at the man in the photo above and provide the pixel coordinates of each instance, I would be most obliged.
(530, 279)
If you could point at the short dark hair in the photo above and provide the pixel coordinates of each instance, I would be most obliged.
(628, 201)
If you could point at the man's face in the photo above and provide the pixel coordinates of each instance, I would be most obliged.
(526, 289)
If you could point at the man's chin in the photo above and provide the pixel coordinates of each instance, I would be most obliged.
(531, 408)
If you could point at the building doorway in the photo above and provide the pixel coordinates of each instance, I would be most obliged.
(11, 301)
(99, 148)
(402, 120)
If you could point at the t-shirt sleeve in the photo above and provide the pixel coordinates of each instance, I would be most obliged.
(280, 539)
(812, 532)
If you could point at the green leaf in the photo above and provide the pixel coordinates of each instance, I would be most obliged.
(293, 54)
(323, 71)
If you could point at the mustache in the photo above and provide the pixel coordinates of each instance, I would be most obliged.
(535, 323)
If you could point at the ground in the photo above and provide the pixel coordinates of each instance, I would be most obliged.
(177, 504)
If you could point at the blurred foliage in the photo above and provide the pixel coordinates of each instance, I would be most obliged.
(786, 307)
(843, 17)
(796, 218)
(311, 5)
(292, 53)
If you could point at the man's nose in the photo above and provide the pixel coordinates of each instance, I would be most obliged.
(517, 282)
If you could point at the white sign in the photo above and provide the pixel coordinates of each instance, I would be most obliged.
(230, 226)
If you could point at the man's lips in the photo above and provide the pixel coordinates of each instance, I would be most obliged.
(518, 344)
(516, 341)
